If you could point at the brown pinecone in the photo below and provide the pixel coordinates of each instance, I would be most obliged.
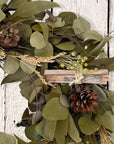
(83, 99)
(9, 37)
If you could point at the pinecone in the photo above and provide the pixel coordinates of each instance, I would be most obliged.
(83, 99)
(9, 37)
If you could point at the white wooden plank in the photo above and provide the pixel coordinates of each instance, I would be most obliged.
(15, 105)
(2, 90)
(95, 13)
(111, 44)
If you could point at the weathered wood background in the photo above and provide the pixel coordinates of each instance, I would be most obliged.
(101, 17)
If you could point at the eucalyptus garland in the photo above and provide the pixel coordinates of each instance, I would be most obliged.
(74, 113)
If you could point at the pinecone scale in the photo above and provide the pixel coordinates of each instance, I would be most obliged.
(83, 101)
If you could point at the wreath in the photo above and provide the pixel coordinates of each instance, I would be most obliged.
(63, 71)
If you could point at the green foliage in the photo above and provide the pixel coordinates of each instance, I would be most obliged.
(37, 40)
(28, 9)
(2, 15)
(7, 139)
(11, 65)
(53, 120)
(88, 126)
(53, 110)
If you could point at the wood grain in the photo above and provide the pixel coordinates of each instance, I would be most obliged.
(111, 44)
(67, 76)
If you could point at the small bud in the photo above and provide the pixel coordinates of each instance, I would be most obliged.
(79, 56)
(73, 53)
(96, 69)
(86, 64)
(62, 65)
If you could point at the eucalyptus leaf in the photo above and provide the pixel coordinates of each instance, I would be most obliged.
(7, 139)
(64, 101)
(100, 46)
(20, 141)
(11, 65)
(31, 133)
(80, 25)
(33, 93)
(40, 128)
(44, 52)
(59, 23)
(26, 67)
(37, 40)
(110, 95)
(45, 30)
(61, 131)
(67, 46)
(91, 34)
(14, 4)
(55, 41)
(72, 130)
(55, 92)
(32, 8)
(100, 93)
(49, 129)
(25, 31)
(25, 114)
(53, 110)
(2, 15)
(3, 2)
(108, 120)
(68, 17)
(16, 77)
(28, 86)
(88, 126)
(107, 63)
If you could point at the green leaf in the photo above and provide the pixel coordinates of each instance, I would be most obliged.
(28, 86)
(25, 31)
(55, 92)
(45, 30)
(7, 139)
(88, 126)
(2, 15)
(31, 133)
(100, 46)
(14, 4)
(68, 17)
(16, 77)
(67, 46)
(72, 130)
(55, 41)
(37, 40)
(44, 52)
(91, 34)
(107, 63)
(25, 114)
(11, 65)
(49, 129)
(110, 95)
(53, 110)
(80, 25)
(108, 120)
(26, 67)
(32, 8)
(3, 2)
(61, 131)
(100, 93)
(40, 128)
(59, 23)
(64, 101)
(20, 141)
(33, 93)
